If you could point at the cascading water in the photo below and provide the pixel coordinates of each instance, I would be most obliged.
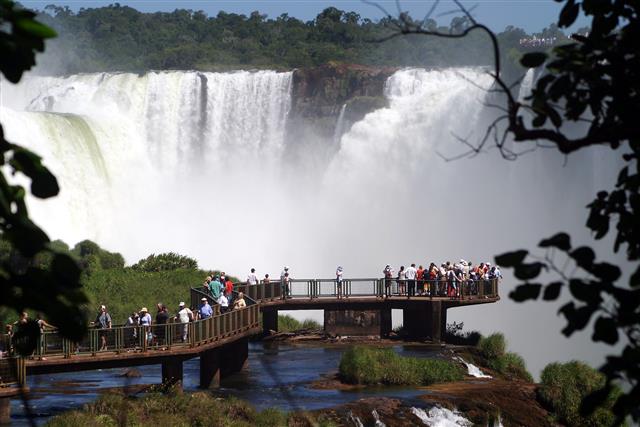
(198, 163)
(526, 84)
(339, 129)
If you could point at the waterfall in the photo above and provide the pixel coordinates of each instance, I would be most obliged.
(339, 129)
(526, 84)
(199, 163)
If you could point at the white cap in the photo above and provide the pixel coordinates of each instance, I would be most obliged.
(286, 268)
(203, 299)
(102, 307)
(181, 304)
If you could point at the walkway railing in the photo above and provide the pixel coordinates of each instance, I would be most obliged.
(328, 288)
(127, 339)
(12, 372)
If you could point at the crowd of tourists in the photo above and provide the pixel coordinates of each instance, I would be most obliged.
(449, 279)
(533, 42)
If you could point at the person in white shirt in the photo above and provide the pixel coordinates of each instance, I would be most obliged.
(410, 274)
(252, 279)
(224, 303)
(185, 315)
(339, 282)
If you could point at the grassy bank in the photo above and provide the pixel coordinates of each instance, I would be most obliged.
(508, 364)
(364, 365)
(188, 409)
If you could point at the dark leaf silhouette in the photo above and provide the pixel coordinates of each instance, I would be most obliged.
(526, 292)
(511, 259)
(561, 241)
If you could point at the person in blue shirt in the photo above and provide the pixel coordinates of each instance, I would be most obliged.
(206, 310)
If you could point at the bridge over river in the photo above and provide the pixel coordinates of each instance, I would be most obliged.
(221, 341)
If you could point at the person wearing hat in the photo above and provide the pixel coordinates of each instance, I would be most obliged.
(205, 309)
(145, 322)
(185, 315)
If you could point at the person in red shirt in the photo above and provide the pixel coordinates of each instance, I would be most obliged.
(228, 290)
(420, 280)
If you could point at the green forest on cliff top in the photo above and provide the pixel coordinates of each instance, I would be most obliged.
(120, 38)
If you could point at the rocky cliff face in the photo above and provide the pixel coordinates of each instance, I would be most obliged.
(319, 94)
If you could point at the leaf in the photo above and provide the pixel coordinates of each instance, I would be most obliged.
(585, 291)
(526, 292)
(583, 256)
(607, 272)
(25, 337)
(577, 319)
(561, 241)
(511, 259)
(35, 28)
(605, 330)
(528, 271)
(594, 400)
(568, 14)
(539, 120)
(533, 59)
(43, 183)
(552, 291)
(634, 280)
(64, 267)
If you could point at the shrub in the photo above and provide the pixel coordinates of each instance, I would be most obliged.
(286, 323)
(165, 262)
(455, 335)
(493, 346)
(564, 385)
(311, 324)
(513, 366)
(364, 365)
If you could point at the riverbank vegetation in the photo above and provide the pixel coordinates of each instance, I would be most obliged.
(120, 38)
(287, 323)
(188, 409)
(564, 385)
(365, 365)
(493, 350)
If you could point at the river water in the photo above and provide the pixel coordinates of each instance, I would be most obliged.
(279, 375)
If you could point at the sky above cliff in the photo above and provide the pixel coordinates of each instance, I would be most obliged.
(531, 15)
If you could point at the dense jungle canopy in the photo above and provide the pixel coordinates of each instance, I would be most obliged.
(120, 38)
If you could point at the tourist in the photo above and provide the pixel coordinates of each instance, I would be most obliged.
(228, 290)
(132, 322)
(339, 281)
(103, 322)
(410, 274)
(185, 315)
(239, 302)
(402, 286)
(420, 280)
(388, 275)
(206, 310)
(205, 285)
(266, 279)
(284, 282)
(223, 302)
(214, 288)
(252, 279)
(162, 318)
(145, 322)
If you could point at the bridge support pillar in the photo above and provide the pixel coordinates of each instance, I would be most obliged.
(172, 373)
(210, 369)
(234, 357)
(385, 322)
(269, 321)
(427, 321)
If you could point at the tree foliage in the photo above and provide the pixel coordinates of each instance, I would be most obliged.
(120, 38)
(54, 291)
(166, 262)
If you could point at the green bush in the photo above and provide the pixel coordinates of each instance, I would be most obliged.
(509, 365)
(493, 346)
(166, 262)
(364, 365)
(564, 385)
(310, 324)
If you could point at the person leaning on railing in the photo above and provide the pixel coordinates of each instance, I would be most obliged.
(239, 302)
(103, 322)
